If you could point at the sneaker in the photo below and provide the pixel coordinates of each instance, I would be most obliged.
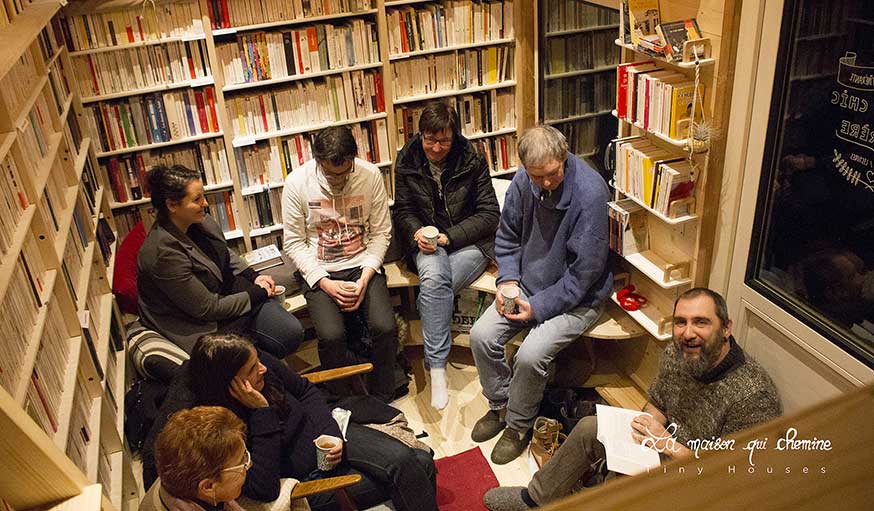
(507, 498)
(489, 425)
(510, 446)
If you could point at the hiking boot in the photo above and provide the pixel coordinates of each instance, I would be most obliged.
(489, 425)
(510, 446)
(546, 440)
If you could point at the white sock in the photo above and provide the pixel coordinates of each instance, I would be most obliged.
(439, 389)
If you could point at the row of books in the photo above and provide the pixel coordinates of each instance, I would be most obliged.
(43, 401)
(10, 10)
(264, 209)
(269, 163)
(127, 173)
(627, 227)
(500, 152)
(149, 22)
(154, 118)
(126, 219)
(480, 112)
(223, 209)
(238, 13)
(14, 199)
(456, 22)
(60, 87)
(104, 467)
(23, 299)
(654, 176)
(350, 95)
(656, 100)
(581, 51)
(580, 95)
(105, 238)
(18, 83)
(73, 260)
(141, 67)
(37, 128)
(587, 135)
(258, 56)
(448, 72)
(80, 434)
(562, 15)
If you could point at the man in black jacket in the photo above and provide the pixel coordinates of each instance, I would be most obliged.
(442, 181)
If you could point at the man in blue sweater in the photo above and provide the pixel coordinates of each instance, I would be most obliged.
(552, 246)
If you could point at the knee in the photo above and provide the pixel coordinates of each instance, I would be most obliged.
(331, 334)
(434, 276)
(585, 431)
(530, 360)
(382, 326)
(481, 338)
(426, 461)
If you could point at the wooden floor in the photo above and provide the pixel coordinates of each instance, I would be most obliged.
(449, 430)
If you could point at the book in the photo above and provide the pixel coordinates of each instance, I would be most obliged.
(624, 455)
(675, 33)
(644, 16)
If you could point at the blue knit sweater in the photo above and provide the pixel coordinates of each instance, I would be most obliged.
(556, 245)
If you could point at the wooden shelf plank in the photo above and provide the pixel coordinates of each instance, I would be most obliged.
(92, 451)
(297, 21)
(454, 92)
(102, 343)
(147, 200)
(446, 49)
(11, 256)
(681, 65)
(240, 141)
(651, 264)
(199, 82)
(145, 147)
(642, 317)
(580, 72)
(579, 30)
(293, 78)
(85, 276)
(666, 219)
(66, 220)
(127, 46)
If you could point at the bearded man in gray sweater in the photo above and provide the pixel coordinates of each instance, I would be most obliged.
(706, 387)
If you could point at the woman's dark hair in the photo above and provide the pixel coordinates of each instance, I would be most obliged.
(438, 116)
(169, 183)
(194, 445)
(215, 361)
(335, 145)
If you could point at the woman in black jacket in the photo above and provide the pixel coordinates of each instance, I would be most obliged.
(441, 180)
(284, 414)
(190, 283)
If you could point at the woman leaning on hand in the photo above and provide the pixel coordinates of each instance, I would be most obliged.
(190, 283)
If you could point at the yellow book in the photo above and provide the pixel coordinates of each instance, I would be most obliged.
(492, 65)
(681, 108)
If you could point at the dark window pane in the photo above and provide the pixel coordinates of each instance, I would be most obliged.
(812, 248)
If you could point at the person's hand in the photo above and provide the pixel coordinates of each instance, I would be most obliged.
(334, 455)
(645, 428)
(442, 240)
(362, 282)
(524, 312)
(266, 281)
(499, 299)
(342, 297)
(424, 246)
(242, 391)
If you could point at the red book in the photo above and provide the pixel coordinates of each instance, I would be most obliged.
(380, 100)
(140, 28)
(299, 150)
(130, 33)
(622, 89)
(263, 112)
(226, 20)
(231, 223)
(93, 76)
(50, 414)
(141, 176)
(115, 179)
(404, 46)
(213, 116)
(300, 69)
(201, 111)
(120, 125)
(190, 58)
(211, 14)
(504, 163)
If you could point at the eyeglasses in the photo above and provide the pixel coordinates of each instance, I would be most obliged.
(445, 142)
(245, 466)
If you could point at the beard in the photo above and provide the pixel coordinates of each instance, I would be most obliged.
(696, 366)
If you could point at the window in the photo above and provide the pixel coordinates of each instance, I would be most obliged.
(813, 244)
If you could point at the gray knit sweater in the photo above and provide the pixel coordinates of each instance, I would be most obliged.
(734, 395)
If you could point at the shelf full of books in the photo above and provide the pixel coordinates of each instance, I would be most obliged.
(660, 156)
(56, 243)
(576, 73)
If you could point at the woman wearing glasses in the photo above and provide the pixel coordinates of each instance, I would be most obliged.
(441, 180)
(202, 462)
(284, 415)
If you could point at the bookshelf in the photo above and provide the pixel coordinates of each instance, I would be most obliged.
(661, 172)
(576, 73)
(274, 73)
(57, 242)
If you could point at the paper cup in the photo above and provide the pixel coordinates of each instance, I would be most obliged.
(349, 286)
(279, 293)
(324, 444)
(430, 234)
(509, 295)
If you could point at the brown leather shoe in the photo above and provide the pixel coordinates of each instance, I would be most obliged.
(547, 438)
(489, 425)
(510, 446)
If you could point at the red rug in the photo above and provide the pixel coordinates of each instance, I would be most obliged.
(462, 480)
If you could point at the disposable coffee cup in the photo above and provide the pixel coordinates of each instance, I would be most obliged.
(430, 233)
(509, 295)
(324, 444)
(349, 286)
(279, 293)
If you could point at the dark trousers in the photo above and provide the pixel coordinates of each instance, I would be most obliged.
(335, 339)
(389, 469)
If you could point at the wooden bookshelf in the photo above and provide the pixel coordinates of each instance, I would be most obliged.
(38, 471)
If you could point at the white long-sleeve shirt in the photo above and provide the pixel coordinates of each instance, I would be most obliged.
(324, 231)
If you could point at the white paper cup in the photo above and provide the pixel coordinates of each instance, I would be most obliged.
(509, 295)
(324, 444)
(279, 293)
(430, 234)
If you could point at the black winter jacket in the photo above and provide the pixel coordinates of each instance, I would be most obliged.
(468, 196)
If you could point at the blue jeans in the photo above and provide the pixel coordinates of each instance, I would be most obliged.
(520, 390)
(441, 277)
(275, 330)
